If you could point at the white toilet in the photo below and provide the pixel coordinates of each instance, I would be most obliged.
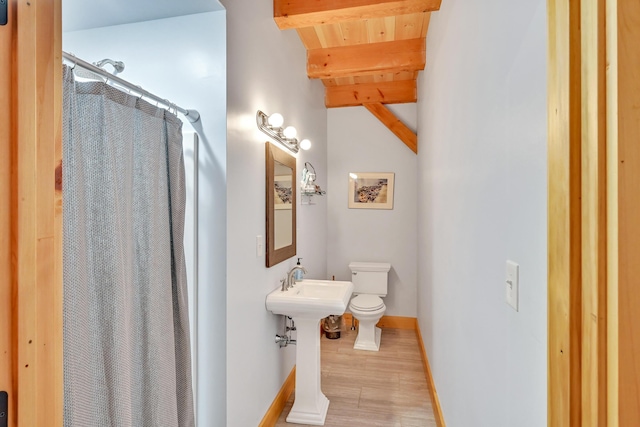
(370, 280)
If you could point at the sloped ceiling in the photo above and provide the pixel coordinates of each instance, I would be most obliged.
(366, 52)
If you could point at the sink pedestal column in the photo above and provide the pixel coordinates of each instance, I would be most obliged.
(310, 405)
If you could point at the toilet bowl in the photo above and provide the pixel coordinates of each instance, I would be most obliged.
(367, 309)
(369, 285)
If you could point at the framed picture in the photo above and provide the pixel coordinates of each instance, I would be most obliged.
(282, 194)
(371, 190)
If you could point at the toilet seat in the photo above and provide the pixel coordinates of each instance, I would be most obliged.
(365, 303)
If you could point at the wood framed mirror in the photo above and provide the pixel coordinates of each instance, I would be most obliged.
(281, 204)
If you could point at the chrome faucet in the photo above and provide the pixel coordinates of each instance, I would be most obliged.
(290, 279)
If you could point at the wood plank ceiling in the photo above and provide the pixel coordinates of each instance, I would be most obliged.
(366, 52)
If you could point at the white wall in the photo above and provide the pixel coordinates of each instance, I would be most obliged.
(482, 200)
(183, 59)
(78, 15)
(266, 71)
(481, 197)
(359, 142)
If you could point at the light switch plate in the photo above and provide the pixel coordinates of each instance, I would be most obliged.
(512, 284)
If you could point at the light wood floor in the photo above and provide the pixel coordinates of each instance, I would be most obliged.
(365, 388)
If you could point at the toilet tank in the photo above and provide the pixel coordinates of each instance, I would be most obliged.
(370, 277)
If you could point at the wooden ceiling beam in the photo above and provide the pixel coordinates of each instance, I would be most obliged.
(364, 59)
(382, 92)
(394, 124)
(306, 13)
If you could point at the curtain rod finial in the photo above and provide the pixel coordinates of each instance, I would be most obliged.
(192, 115)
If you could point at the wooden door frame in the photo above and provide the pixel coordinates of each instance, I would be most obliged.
(6, 272)
(594, 213)
(564, 237)
(34, 220)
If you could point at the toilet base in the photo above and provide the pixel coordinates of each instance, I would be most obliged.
(364, 341)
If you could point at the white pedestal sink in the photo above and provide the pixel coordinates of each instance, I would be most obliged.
(307, 302)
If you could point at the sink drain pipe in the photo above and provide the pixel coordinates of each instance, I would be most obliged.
(285, 339)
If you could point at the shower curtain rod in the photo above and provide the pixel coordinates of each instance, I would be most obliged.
(192, 115)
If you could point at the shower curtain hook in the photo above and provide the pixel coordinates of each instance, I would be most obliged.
(171, 106)
(139, 93)
(75, 61)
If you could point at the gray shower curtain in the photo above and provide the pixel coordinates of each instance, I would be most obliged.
(126, 328)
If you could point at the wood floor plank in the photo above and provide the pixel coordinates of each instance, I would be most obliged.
(396, 396)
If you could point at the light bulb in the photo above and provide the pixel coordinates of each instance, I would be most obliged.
(305, 144)
(275, 120)
(290, 132)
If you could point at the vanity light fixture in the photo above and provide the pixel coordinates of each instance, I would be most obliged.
(290, 132)
(305, 144)
(272, 126)
(275, 120)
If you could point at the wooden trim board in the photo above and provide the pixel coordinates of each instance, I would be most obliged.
(274, 411)
(626, 120)
(7, 330)
(397, 322)
(394, 322)
(611, 27)
(435, 402)
(37, 213)
(593, 214)
(367, 59)
(564, 213)
(358, 94)
(594, 125)
(302, 13)
(399, 129)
